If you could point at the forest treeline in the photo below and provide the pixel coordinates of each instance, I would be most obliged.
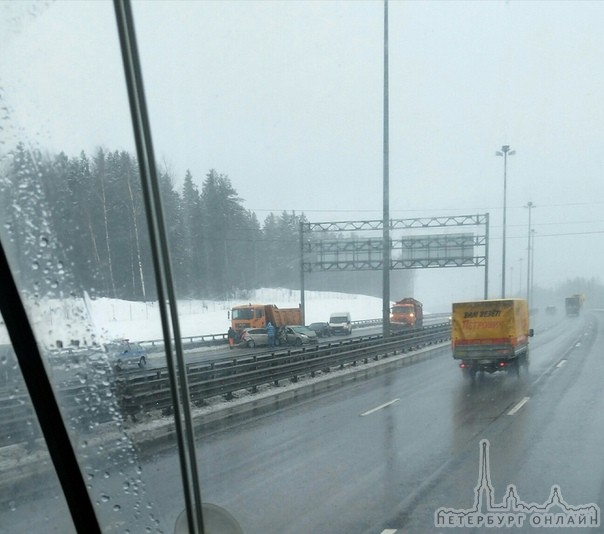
(78, 223)
(88, 210)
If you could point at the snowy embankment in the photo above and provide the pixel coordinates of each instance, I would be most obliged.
(140, 321)
(102, 319)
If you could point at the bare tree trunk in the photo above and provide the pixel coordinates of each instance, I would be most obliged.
(106, 223)
(136, 239)
(95, 250)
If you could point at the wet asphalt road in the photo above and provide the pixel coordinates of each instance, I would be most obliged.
(384, 454)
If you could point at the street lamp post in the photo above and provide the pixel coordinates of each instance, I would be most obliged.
(386, 254)
(505, 152)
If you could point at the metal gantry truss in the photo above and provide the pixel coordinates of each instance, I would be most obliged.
(323, 251)
(416, 222)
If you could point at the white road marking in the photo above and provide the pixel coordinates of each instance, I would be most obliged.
(562, 363)
(379, 408)
(519, 405)
(389, 531)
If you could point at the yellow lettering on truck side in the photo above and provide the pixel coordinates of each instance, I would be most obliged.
(496, 321)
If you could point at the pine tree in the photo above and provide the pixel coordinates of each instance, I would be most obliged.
(192, 221)
(223, 216)
(172, 211)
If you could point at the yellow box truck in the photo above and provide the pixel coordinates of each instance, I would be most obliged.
(490, 335)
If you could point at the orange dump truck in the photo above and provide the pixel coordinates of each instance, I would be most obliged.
(491, 335)
(407, 312)
(259, 315)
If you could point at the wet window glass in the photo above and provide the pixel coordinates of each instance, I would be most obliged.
(32, 499)
(74, 229)
(288, 146)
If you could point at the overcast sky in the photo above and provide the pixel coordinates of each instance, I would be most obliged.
(286, 99)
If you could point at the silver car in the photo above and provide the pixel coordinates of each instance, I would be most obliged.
(300, 335)
(255, 337)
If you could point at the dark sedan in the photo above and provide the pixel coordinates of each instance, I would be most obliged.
(322, 329)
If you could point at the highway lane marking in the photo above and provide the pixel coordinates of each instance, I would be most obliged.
(550, 369)
(562, 363)
(519, 405)
(379, 407)
(389, 531)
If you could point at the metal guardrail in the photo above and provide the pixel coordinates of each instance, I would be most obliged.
(84, 396)
(83, 400)
(191, 342)
(149, 391)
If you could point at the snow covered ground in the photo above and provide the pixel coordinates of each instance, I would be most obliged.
(103, 319)
(140, 321)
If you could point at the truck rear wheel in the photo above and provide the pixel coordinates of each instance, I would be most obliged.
(519, 366)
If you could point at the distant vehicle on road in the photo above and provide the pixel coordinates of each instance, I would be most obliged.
(290, 335)
(259, 315)
(339, 322)
(300, 335)
(255, 337)
(573, 305)
(321, 329)
(407, 312)
(125, 353)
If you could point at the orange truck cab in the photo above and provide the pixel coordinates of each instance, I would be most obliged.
(407, 312)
